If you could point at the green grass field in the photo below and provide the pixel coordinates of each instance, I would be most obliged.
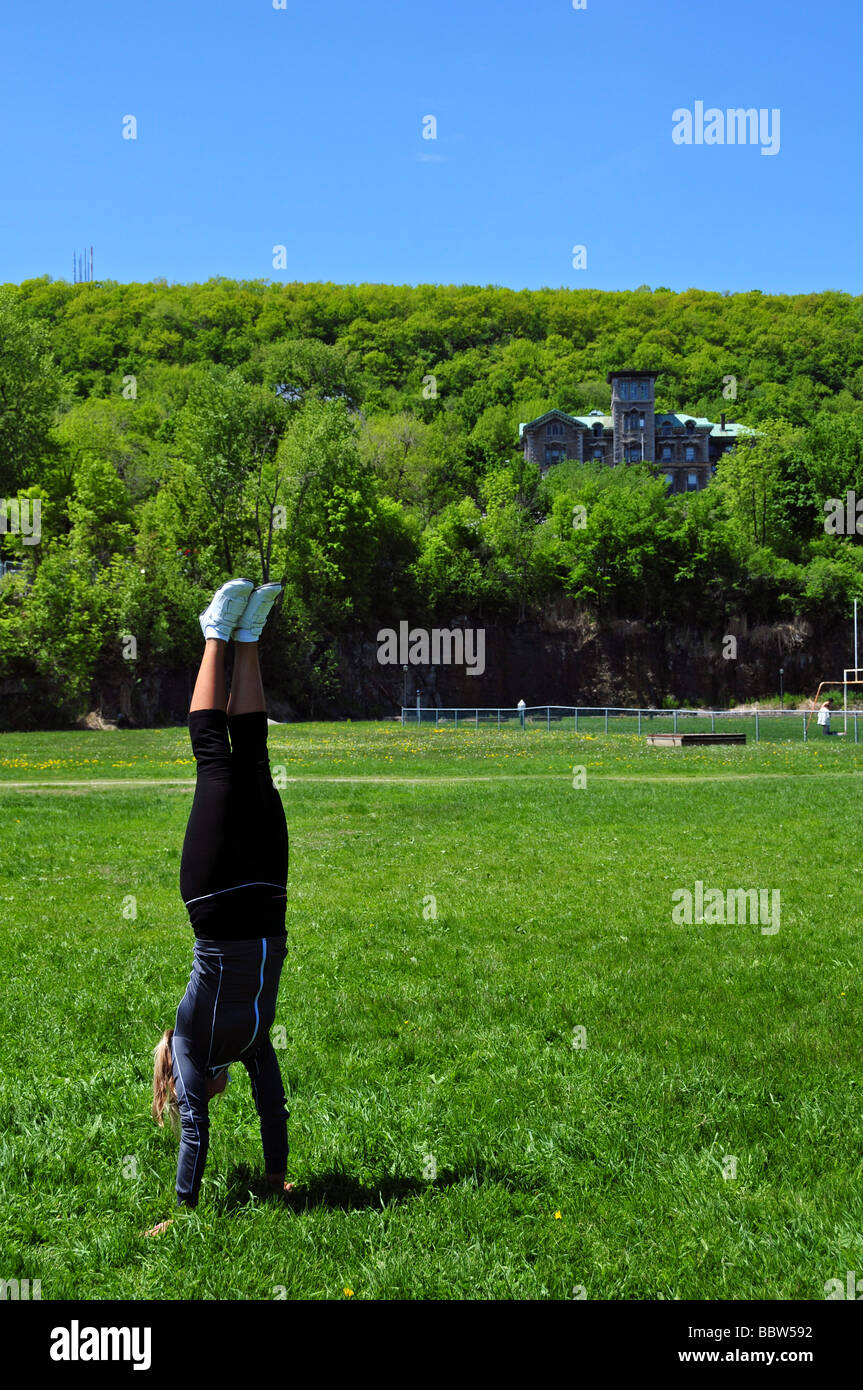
(457, 909)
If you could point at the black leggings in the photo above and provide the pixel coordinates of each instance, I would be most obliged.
(234, 869)
(233, 878)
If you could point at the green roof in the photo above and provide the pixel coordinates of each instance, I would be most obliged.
(586, 420)
(680, 418)
(732, 430)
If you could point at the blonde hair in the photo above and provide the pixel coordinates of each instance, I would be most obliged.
(164, 1093)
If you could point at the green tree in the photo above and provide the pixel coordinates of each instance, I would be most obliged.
(227, 433)
(450, 570)
(515, 506)
(397, 448)
(337, 523)
(99, 512)
(614, 537)
(750, 479)
(32, 390)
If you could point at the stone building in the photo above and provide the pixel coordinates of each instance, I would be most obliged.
(684, 448)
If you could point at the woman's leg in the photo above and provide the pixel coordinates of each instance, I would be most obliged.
(247, 690)
(205, 866)
(261, 833)
(209, 692)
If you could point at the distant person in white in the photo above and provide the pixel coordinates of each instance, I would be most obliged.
(824, 718)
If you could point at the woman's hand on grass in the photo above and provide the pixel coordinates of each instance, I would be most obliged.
(162, 1226)
(276, 1183)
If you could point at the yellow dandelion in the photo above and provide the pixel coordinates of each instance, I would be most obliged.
(349, 1293)
(557, 1216)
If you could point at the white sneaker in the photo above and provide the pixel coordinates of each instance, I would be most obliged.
(226, 609)
(251, 624)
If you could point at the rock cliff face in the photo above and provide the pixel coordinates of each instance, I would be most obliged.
(566, 659)
(574, 661)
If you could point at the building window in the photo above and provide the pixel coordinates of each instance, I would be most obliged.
(690, 453)
(690, 426)
(633, 453)
(643, 387)
(692, 482)
(597, 430)
(599, 453)
(624, 390)
(555, 454)
(554, 429)
(666, 428)
(666, 453)
(669, 481)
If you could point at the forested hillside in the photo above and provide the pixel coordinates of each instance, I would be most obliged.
(359, 444)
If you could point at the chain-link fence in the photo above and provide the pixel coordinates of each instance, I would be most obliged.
(766, 725)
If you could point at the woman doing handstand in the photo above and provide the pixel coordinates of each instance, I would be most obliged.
(233, 881)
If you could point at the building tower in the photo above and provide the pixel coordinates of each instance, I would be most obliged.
(633, 406)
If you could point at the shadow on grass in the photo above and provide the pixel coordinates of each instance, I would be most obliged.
(338, 1191)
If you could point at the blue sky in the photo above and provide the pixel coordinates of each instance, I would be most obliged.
(302, 127)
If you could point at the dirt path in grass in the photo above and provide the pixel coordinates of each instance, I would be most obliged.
(130, 783)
